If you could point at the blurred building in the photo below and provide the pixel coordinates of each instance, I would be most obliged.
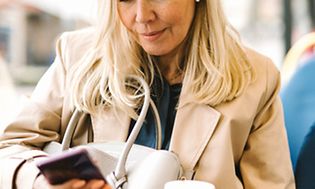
(8, 94)
(271, 26)
(28, 31)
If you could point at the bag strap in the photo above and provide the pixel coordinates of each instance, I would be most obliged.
(67, 138)
(65, 144)
(120, 171)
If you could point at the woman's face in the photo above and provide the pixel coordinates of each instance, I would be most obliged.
(159, 26)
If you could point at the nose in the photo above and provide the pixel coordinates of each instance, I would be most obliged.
(144, 11)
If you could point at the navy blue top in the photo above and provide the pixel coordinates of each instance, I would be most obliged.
(165, 97)
(305, 167)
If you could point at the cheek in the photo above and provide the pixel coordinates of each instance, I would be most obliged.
(180, 20)
(125, 18)
(128, 24)
(180, 25)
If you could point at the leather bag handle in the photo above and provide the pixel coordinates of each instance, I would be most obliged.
(120, 171)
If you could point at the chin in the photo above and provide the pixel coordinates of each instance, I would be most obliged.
(155, 52)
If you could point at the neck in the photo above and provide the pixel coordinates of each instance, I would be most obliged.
(169, 66)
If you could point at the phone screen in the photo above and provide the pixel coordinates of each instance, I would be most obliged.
(68, 165)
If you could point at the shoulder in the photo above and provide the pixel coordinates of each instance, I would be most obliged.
(262, 65)
(261, 92)
(72, 45)
(78, 37)
(267, 75)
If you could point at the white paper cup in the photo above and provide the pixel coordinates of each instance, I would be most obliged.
(188, 184)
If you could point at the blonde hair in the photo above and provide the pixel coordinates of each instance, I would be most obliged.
(216, 68)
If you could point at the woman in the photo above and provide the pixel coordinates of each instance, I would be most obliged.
(227, 125)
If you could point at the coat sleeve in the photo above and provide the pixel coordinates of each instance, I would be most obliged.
(266, 161)
(38, 122)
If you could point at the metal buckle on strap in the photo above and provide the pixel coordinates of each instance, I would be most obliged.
(114, 182)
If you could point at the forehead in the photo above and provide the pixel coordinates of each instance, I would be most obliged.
(156, 5)
(132, 3)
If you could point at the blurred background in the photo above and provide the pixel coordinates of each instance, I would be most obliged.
(28, 30)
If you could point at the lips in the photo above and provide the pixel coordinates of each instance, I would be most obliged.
(152, 36)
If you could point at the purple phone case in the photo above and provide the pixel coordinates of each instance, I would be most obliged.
(69, 165)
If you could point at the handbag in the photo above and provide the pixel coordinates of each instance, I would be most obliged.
(127, 165)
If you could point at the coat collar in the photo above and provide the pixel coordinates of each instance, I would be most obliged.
(193, 128)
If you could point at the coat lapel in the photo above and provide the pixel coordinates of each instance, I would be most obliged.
(193, 128)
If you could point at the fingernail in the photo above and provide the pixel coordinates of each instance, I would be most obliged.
(107, 187)
(78, 184)
(97, 184)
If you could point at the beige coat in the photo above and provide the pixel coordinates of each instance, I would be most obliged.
(239, 144)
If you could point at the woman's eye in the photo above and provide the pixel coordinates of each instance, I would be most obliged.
(123, 1)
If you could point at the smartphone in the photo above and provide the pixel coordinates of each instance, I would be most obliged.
(72, 164)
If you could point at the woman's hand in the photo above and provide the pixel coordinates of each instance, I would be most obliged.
(41, 183)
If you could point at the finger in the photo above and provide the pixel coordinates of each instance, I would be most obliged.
(71, 184)
(96, 184)
(107, 186)
(76, 184)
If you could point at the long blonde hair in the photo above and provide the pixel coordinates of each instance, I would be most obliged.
(215, 65)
